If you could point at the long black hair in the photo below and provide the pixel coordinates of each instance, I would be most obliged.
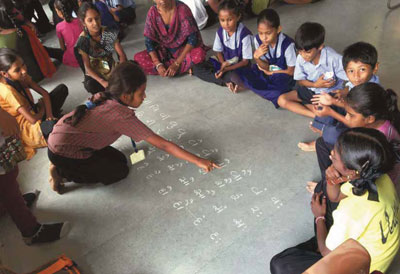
(369, 153)
(8, 18)
(126, 78)
(66, 7)
(371, 99)
(7, 58)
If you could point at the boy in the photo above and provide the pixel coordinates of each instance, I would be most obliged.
(360, 62)
(318, 69)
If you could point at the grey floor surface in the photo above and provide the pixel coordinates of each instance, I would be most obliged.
(167, 217)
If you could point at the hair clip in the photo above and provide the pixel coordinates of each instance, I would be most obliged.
(90, 105)
(365, 165)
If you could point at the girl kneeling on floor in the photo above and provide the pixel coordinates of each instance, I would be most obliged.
(79, 146)
(35, 120)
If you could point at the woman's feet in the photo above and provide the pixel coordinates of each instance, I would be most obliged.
(56, 181)
(311, 186)
(307, 146)
(48, 233)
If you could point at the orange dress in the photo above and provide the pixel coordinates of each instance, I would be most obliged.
(31, 134)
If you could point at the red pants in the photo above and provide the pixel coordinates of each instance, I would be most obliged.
(195, 56)
(13, 203)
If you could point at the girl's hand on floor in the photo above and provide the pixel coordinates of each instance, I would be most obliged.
(207, 165)
(318, 208)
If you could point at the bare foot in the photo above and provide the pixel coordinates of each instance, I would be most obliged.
(56, 181)
(307, 146)
(316, 130)
(311, 186)
(190, 71)
(232, 87)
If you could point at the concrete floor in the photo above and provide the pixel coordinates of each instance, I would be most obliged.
(167, 217)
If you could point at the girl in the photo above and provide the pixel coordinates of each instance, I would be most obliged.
(17, 205)
(17, 100)
(107, 19)
(68, 31)
(368, 208)
(96, 45)
(79, 146)
(233, 46)
(275, 57)
(173, 40)
(16, 35)
(366, 105)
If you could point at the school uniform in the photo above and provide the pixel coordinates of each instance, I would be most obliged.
(128, 13)
(237, 46)
(282, 57)
(329, 61)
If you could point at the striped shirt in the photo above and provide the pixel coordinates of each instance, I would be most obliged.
(100, 127)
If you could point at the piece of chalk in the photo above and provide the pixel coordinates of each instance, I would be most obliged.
(136, 157)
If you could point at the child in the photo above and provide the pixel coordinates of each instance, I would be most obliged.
(368, 208)
(79, 146)
(17, 100)
(68, 31)
(275, 57)
(124, 11)
(367, 105)
(318, 69)
(107, 19)
(96, 45)
(360, 61)
(233, 46)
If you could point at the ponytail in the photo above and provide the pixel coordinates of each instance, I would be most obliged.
(7, 17)
(66, 8)
(126, 78)
(368, 152)
(394, 113)
(370, 99)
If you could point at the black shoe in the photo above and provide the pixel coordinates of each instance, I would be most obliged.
(31, 197)
(48, 233)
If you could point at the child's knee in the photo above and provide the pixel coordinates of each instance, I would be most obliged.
(282, 100)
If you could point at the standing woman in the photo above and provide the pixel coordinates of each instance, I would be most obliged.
(368, 210)
(173, 40)
(95, 46)
(79, 146)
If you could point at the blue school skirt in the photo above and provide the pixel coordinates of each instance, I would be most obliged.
(268, 87)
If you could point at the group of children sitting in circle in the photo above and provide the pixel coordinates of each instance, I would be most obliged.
(358, 120)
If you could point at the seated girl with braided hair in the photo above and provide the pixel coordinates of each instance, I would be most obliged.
(68, 31)
(368, 209)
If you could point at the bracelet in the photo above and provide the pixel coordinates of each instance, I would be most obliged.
(177, 64)
(159, 65)
(319, 218)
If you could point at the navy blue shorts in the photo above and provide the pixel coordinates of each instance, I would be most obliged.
(304, 94)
